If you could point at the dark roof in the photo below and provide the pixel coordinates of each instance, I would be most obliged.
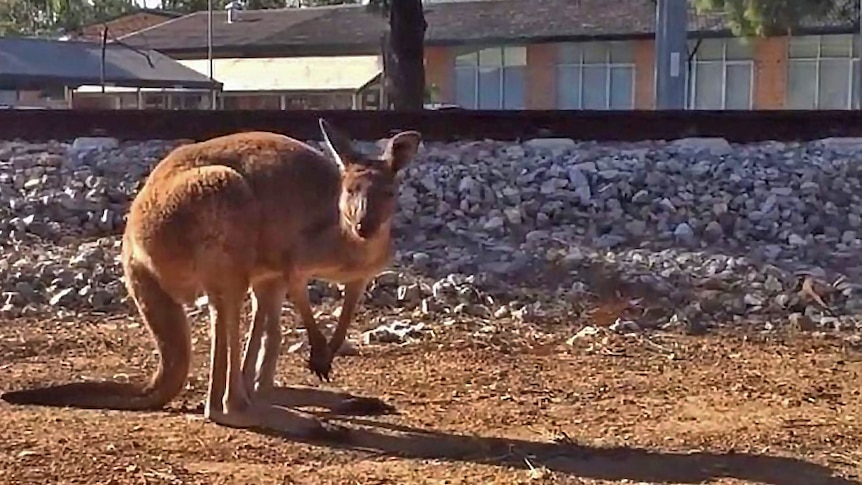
(72, 63)
(353, 28)
(152, 11)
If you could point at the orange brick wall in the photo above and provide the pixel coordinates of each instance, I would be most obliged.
(644, 74)
(770, 73)
(440, 71)
(541, 77)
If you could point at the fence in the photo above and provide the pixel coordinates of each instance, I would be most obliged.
(736, 126)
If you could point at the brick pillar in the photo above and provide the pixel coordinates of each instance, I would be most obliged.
(770, 73)
(440, 70)
(644, 74)
(541, 76)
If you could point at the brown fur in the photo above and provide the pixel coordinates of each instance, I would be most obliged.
(250, 210)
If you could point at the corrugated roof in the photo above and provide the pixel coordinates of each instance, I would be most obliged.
(253, 28)
(74, 63)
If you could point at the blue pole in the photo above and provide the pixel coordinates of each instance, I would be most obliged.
(671, 54)
(859, 63)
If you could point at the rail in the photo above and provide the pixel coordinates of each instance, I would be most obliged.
(735, 126)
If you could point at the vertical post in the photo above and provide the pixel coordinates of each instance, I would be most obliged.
(859, 62)
(671, 38)
(102, 59)
(210, 50)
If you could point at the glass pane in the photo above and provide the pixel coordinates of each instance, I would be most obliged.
(568, 87)
(834, 84)
(595, 87)
(622, 88)
(804, 47)
(708, 85)
(515, 56)
(836, 45)
(489, 88)
(465, 87)
(513, 87)
(596, 52)
(710, 50)
(130, 101)
(492, 57)
(738, 87)
(467, 59)
(801, 84)
(738, 50)
(622, 52)
(8, 96)
(568, 53)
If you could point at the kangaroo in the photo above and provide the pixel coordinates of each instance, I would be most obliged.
(251, 211)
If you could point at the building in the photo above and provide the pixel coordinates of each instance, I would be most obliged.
(511, 54)
(42, 73)
(124, 24)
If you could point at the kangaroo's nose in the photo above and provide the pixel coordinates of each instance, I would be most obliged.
(364, 230)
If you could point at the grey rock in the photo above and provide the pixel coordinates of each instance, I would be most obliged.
(550, 143)
(500, 230)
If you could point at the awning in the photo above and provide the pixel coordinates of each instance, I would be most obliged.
(291, 73)
(28, 61)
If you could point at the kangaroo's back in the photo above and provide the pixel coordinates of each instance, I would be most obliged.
(294, 187)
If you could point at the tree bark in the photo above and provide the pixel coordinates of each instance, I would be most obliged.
(406, 67)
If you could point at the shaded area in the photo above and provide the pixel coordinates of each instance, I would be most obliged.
(612, 463)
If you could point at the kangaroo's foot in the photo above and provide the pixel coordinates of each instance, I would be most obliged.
(265, 416)
(320, 360)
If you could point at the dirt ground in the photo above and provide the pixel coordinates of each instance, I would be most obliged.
(471, 407)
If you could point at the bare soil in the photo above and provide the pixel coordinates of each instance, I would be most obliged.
(473, 407)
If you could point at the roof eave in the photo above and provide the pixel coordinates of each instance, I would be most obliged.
(20, 80)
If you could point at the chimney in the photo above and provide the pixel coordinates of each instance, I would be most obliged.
(232, 9)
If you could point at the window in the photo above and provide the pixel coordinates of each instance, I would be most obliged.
(189, 101)
(721, 75)
(595, 75)
(127, 101)
(8, 97)
(822, 72)
(492, 78)
(155, 101)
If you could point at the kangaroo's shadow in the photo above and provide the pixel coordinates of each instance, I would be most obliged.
(603, 463)
(330, 402)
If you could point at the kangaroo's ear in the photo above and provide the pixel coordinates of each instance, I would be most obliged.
(401, 149)
(338, 144)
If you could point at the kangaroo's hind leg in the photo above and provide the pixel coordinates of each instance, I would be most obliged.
(263, 344)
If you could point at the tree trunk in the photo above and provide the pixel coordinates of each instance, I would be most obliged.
(406, 69)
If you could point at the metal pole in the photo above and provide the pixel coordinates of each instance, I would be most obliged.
(671, 38)
(102, 60)
(859, 62)
(210, 50)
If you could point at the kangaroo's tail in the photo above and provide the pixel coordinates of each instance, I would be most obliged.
(166, 320)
